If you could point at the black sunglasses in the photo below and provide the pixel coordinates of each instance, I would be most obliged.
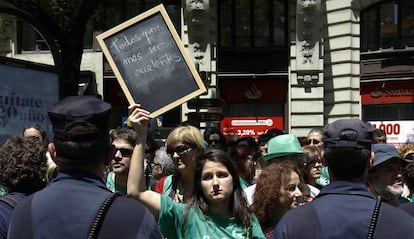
(125, 152)
(314, 162)
(180, 149)
(312, 141)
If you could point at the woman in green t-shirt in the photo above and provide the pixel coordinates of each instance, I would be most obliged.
(217, 208)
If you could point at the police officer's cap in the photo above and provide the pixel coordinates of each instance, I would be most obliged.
(87, 111)
(352, 133)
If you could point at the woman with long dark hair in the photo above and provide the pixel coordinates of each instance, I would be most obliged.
(217, 208)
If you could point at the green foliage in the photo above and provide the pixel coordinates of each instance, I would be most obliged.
(105, 17)
(62, 12)
(5, 3)
(63, 15)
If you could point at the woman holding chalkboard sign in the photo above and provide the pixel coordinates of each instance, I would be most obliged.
(184, 144)
(217, 208)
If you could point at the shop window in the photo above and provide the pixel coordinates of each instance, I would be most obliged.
(369, 35)
(252, 34)
(384, 112)
(407, 24)
(388, 25)
(242, 25)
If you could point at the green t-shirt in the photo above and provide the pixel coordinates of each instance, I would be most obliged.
(2, 191)
(177, 221)
(168, 183)
(324, 179)
(113, 186)
(403, 200)
(244, 184)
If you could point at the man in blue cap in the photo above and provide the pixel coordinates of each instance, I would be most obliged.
(385, 177)
(76, 204)
(345, 208)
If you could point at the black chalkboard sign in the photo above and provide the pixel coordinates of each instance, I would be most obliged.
(150, 62)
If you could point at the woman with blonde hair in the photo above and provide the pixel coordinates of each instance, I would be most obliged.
(184, 144)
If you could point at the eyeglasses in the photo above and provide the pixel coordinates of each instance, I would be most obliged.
(155, 165)
(252, 159)
(34, 137)
(180, 150)
(124, 151)
(312, 141)
(215, 141)
(315, 163)
(409, 156)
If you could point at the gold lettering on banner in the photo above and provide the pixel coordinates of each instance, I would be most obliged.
(392, 93)
(253, 93)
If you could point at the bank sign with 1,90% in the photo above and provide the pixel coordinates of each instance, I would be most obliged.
(249, 126)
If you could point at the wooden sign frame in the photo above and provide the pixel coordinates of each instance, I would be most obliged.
(184, 80)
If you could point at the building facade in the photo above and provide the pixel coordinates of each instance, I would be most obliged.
(288, 64)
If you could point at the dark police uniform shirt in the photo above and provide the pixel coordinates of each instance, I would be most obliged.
(344, 210)
(6, 212)
(408, 208)
(67, 207)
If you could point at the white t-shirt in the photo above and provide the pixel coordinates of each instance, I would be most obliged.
(310, 193)
(249, 192)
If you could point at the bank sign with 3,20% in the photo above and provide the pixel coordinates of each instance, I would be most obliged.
(249, 126)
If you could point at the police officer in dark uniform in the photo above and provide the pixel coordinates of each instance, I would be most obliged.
(345, 208)
(76, 204)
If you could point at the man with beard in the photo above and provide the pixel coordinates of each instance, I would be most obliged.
(345, 208)
(385, 176)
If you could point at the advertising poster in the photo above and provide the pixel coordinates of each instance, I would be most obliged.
(25, 95)
(398, 132)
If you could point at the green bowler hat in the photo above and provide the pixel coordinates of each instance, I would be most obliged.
(282, 145)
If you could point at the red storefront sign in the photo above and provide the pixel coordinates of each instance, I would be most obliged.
(250, 126)
(387, 92)
(259, 90)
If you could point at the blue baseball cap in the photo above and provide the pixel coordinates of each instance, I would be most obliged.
(383, 153)
(336, 134)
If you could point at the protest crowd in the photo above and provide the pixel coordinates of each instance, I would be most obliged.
(92, 181)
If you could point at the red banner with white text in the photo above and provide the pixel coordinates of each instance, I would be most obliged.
(250, 126)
